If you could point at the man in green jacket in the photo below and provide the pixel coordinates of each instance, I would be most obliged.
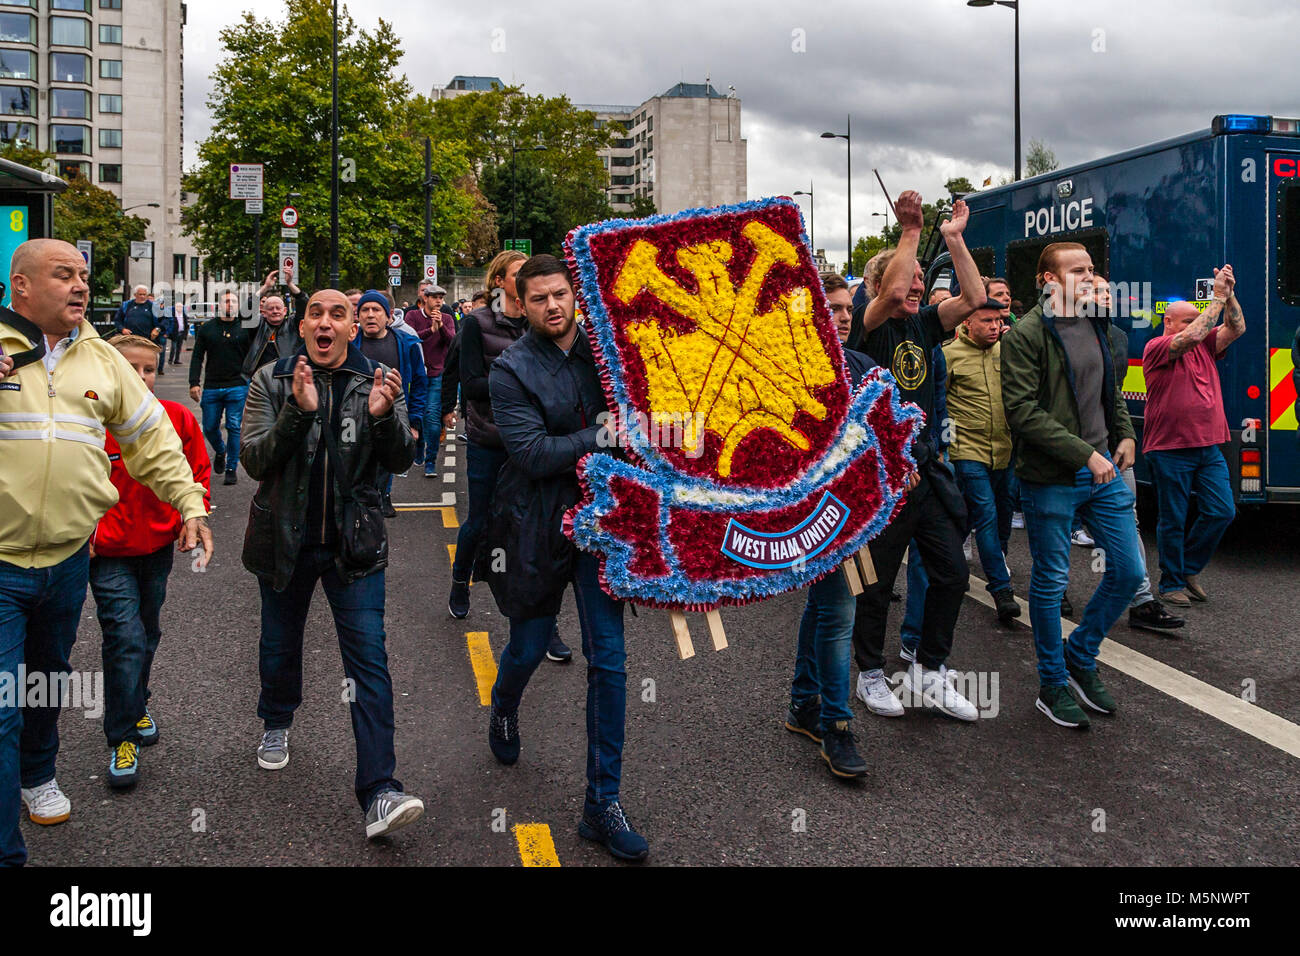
(1073, 436)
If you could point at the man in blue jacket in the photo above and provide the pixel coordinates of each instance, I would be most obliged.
(396, 349)
(138, 315)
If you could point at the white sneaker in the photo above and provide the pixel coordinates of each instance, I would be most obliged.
(1017, 519)
(46, 804)
(1082, 539)
(935, 691)
(966, 546)
(873, 690)
(907, 653)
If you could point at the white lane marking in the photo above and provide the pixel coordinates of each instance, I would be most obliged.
(448, 501)
(449, 477)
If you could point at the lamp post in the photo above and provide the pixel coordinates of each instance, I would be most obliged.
(886, 215)
(513, 222)
(1015, 6)
(847, 137)
(812, 214)
(126, 259)
(334, 150)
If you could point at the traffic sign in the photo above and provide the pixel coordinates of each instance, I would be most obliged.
(431, 269)
(395, 280)
(522, 245)
(289, 262)
(87, 250)
(246, 180)
(288, 217)
(141, 250)
(253, 207)
(288, 233)
(394, 260)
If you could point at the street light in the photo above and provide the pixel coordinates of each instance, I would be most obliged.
(812, 214)
(334, 151)
(847, 137)
(886, 215)
(1014, 5)
(513, 150)
(126, 259)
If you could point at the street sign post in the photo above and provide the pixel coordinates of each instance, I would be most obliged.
(142, 250)
(521, 245)
(253, 207)
(246, 181)
(288, 233)
(289, 263)
(394, 260)
(87, 250)
(431, 269)
(288, 217)
(394, 273)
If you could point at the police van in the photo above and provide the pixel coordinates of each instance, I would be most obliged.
(1157, 220)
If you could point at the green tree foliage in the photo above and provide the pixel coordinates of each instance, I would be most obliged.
(864, 249)
(642, 206)
(1040, 159)
(84, 211)
(271, 104)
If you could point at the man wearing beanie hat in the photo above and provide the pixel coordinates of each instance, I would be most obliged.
(396, 349)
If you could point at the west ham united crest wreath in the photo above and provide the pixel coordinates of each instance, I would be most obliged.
(750, 465)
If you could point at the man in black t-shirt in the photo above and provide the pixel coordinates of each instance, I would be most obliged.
(901, 335)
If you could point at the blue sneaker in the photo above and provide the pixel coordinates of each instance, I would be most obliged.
(148, 729)
(503, 736)
(431, 469)
(612, 831)
(124, 765)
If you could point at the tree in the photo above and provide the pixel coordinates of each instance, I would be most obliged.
(84, 211)
(959, 186)
(642, 206)
(271, 104)
(536, 213)
(864, 249)
(1040, 159)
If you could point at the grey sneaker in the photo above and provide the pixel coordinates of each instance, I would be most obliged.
(273, 751)
(391, 810)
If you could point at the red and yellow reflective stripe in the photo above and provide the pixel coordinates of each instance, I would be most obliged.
(1135, 382)
(1281, 391)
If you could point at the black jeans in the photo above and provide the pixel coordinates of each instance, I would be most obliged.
(129, 594)
(178, 343)
(939, 540)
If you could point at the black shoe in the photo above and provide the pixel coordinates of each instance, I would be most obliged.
(806, 720)
(1067, 609)
(503, 736)
(612, 831)
(458, 603)
(231, 478)
(558, 651)
(1152, 616)
(389, 510)
(1006, 604)
(160, 370)
(219, 463)
(840, 752)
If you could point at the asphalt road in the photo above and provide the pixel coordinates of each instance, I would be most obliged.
(709, 775)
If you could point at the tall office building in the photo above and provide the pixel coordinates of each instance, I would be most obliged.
(100, 84)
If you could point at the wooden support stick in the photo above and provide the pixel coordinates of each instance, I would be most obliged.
(715, 630)
(868, 566)
(681, 634)
(851, 577)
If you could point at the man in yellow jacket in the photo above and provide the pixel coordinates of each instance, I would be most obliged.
(61, 388)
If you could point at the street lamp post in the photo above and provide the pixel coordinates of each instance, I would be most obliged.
(847, 136)
(514, 225)
(1015, 6)
(334, 150)
(886, 215)
(126, 259)
(812, 214)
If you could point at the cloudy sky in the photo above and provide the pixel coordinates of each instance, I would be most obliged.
(928, 82)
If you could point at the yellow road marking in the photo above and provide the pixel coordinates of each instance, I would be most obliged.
(485, 665)
(415, 508)
(449, 518)
(451, 553)
(536, 848)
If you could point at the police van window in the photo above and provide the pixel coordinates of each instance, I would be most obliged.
(1022, 260)
(983, 257)
(1288, 243)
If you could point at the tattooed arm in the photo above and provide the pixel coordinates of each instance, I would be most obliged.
(1199, 328)
(1234, 324)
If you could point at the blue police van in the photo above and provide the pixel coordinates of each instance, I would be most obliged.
(1157, 220)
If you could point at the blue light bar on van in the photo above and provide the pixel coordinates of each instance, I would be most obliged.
(1240, 123)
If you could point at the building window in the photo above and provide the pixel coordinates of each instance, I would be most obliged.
(110, 4)
(110, 172)
(18, 3)
(68, 31)
(178, 266)
(650, 124)
(17, 28)
(21, 134)
(80, 6)
(110, 102)
(110, 69)
(110, 33)
(71, 169)
(194, 268)
(70, 139)
(69, 68)
(110, 138)
(17, 99)
(649, 145)
(69, 104)
(17, 64)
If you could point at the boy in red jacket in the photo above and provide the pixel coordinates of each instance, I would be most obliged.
(131, 557)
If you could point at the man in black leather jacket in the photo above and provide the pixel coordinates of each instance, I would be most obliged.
(548, 404)
(296, 536)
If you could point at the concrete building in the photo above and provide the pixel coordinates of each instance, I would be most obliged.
(682, 149)
(460, 85)
(100, 83)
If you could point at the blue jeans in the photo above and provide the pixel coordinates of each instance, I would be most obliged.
(821, 664)
(918, 584)
(601, 619)
(40, 609)
(987, 501)
(129, 594)
(482, 464)
(432, 430)
(1049, 518)
(1184, 551)
(358, 609)
(230, 402)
